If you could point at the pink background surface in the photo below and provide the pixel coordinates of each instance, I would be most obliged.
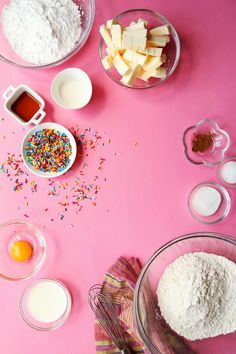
(143, 203)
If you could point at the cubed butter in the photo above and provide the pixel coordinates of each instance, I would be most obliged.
(152, 63)
(107, 62)
(153, 51)
(134, 39)
(106, 35)
(112, 51)
(131, 75)
(160, 31)
(109, 23)
(120, 65)
(158, 41)
(142, 20)
(116, 35)
(133, 56)
(157, 73)
(136, 26)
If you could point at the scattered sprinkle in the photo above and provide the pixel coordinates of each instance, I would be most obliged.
(78, 188)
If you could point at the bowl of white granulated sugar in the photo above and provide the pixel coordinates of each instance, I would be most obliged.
(41, 33)
(185, 297)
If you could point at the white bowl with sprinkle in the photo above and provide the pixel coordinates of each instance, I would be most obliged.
(71, 88)
(39, 159)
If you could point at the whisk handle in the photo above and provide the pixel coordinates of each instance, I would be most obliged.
(126, 351)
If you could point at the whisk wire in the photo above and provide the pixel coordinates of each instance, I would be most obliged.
(102, 305)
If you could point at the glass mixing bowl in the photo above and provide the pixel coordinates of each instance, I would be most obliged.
(151, 327)
(172, 49)
(7, 54)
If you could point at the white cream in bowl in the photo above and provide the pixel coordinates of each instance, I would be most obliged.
(71, 88)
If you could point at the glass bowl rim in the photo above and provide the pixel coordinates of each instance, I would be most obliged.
(66, 57)
(219, 167)
(60, 321)
(198, 124)
(227, 199)
(42, 259)
(177, 42)
(212, 235)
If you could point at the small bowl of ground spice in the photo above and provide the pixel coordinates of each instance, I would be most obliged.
(205, 143)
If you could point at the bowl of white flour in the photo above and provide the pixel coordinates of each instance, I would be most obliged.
(185, 297)
(42, 33)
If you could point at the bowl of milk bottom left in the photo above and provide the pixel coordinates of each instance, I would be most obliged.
(45, 304)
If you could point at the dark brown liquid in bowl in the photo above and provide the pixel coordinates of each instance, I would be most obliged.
(25, 106)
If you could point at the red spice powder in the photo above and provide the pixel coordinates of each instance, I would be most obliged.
(202, 142)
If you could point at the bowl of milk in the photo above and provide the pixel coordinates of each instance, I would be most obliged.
(71, 88)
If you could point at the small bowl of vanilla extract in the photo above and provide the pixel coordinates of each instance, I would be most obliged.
(24, 104)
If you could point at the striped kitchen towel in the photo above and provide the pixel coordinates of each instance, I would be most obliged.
(120, 282)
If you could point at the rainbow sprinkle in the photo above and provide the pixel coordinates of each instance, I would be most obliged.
(48, 150)
(73, 192)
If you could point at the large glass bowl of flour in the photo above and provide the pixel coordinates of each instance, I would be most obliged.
(40, 34)
(151, 326)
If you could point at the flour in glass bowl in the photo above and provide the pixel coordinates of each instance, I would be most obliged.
(197, 295)
(41, 31)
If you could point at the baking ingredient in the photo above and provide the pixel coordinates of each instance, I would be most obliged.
(107, 62)
(159, 73)
(109, 23)
(48, 150)
(116, 35)
(71, 88)
(21, 251)
(196, 295)
(206, 200)
(134, 51)
(74, 92)
(202, 142)
(25, 106)
(228, 172)
(131, 75)
(46, 301)
(120, 65)
(160, 31)
(158, 41)
(105, 35)
(41, 31)
(134, 39)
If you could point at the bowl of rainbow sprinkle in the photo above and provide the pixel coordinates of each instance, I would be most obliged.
(48, 150)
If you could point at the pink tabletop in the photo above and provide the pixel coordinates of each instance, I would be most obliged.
(137, 198)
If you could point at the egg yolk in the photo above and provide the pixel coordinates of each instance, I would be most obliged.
(21, 251)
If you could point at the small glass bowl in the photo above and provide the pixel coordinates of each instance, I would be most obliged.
(219, 169)
(13, 231)
(216, 153)
(221, 212)
(7, 54)
(172, 49)
(36, 324)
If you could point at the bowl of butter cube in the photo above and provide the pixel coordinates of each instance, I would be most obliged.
(139, 48)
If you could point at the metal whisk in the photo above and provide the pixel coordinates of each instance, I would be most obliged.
(101, 303)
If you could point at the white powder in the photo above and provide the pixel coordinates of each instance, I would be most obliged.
(41, 31)
(206, 200)
(228, 172)
(197, 295)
